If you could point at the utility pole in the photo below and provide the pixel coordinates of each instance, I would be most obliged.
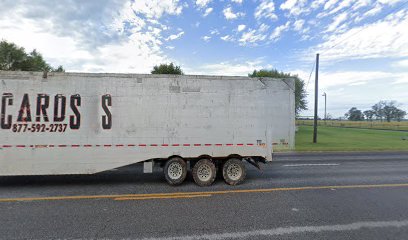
(316, 99)
(325, 105)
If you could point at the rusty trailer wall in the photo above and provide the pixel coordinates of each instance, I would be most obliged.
(73, 123)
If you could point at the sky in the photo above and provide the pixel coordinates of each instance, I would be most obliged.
(363, 44)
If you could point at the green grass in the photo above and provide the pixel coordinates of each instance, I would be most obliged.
(350, 139)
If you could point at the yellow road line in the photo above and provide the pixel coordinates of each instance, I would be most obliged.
(262, 190)
(161, 197)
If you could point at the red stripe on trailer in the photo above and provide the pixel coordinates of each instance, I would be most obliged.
(250, 144)
(175, 145)
(229, 144)
(62, 145)
(120, 145)
(21, 146)
(240, 144)
(75, 145)
(97, 145)
(218, 144)
(50, 145)
(197, 144)
(153, 145)
(142, 145)
(131, 145)
(165, 145)
(107, 145)
(87, 145)
(186, 144)
(7, 146)
(207, 145)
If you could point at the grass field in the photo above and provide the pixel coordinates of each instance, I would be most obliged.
(350, 139)
(358, 124)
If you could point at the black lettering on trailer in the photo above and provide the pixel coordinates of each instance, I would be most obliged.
(24, 110)
(6, 100)
(59, 104)
(75, 120)
(43, 102)
(107, 119)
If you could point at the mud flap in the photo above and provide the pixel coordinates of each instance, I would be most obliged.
(254, 162)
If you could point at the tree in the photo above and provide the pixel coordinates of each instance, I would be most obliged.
(354, 114)
(11, 56)
(60, 68)
(14, 58)
(369, 114)
(400, 114)
(300, 90)
(379, 110)
(35, 62)
(388, 110)
(167, 69)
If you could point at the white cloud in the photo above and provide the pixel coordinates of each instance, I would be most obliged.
(254, 35)
(384, 38)
(230, 15)
(277, 32)
(215, 32)
(175, 36)
(298, 24)
(342, 5)
(234, 68)
(317, 3)
(295, 7)
(401, 63)
(389, 2)
(102, 36)
(241, 27)
(207, 11)
(266, 10)
(361, 3)
(206, 38)
(329, 4)
(344, 89)
(337, 21)
(352, 77)
(155, 9)
(237, 1)
(226, 38)
(202, 3)
(372, 12)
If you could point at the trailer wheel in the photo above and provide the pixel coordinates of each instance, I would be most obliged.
(175, 170)
(204, 172)
(234, 171)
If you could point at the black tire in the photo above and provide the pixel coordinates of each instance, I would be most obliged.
(234, 171)
(175, 170)
(204, 172)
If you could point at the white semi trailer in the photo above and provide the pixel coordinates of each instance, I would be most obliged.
(84, 123)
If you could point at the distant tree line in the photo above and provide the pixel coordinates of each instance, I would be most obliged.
(382, 111)
(15, 58)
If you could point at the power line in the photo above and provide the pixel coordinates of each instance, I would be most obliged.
(310, 75)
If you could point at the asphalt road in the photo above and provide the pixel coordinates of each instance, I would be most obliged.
(298, 196)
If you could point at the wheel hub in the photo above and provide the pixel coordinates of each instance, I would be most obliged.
(175, 170)
(204, 172)
(234, 171)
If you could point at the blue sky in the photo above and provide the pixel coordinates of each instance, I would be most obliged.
(363, 43)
